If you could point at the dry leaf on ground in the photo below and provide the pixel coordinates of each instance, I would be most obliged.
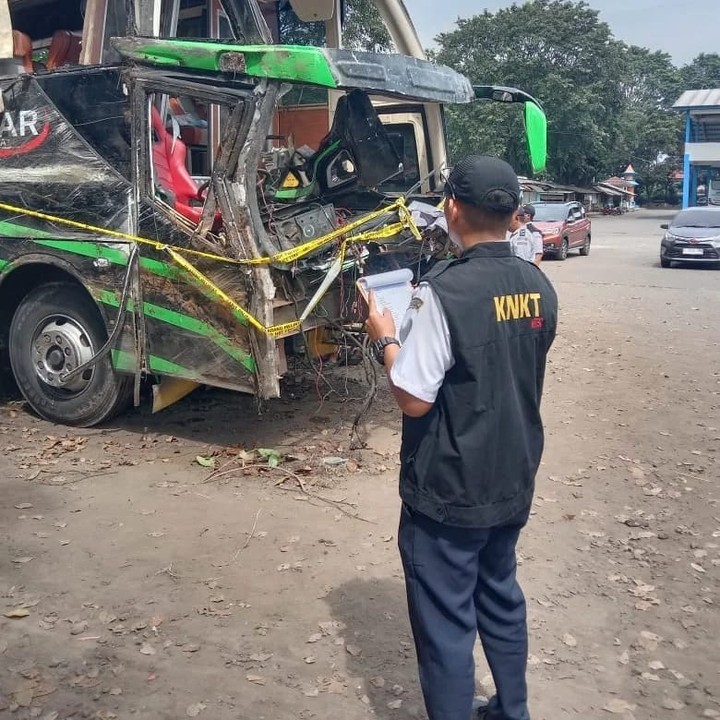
(195, 709)
(20, 612)
(619, 707)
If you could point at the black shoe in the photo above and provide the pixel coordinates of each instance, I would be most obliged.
(480, 708)
(484, 709)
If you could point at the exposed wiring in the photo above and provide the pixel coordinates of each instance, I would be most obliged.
(119, 323)
(371, 378)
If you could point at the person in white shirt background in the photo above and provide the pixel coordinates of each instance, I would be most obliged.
(538, 246)
(526, 242)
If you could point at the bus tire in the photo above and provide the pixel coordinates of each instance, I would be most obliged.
(56, 328)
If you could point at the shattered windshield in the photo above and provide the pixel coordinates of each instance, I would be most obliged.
(246, 21)
(229, 20)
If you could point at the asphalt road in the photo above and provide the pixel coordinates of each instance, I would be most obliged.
(632, 412)
(626, 251)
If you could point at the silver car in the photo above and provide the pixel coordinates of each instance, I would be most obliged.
(693, 236)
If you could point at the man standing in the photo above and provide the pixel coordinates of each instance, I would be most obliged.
(537, 237)
(468, 378)
(525, 240)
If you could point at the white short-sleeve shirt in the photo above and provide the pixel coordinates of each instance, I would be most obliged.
(426, 353)
(537, 242)
(526, 243)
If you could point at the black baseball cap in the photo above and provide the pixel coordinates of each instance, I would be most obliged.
(529, 210)
(485, 182)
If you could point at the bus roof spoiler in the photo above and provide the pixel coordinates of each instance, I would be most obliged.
(377, 73)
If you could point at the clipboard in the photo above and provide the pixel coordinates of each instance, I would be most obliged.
(393, 292)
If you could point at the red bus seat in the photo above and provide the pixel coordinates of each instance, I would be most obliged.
(169, 154)
(64, 49)
(22, 52)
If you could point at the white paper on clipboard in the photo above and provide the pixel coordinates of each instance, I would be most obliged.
(393, 292)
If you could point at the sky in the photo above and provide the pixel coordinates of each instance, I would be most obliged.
(682, 29)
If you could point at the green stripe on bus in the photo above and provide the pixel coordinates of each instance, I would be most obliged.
(186, 322)
(125, 362)
(117, 257)
(94, 249)
(85, 248)
(11, 229)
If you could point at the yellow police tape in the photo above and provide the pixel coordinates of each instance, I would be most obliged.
(282, 258)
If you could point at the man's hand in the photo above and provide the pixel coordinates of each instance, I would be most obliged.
(379, 324)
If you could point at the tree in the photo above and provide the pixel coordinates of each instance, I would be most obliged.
(646, 128)
(658, 185)
(703, 73)
(649, 79)
(363, 28)
(560, 52)
(607, 103)
(293, 31)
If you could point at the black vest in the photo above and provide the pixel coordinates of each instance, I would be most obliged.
(471, 461)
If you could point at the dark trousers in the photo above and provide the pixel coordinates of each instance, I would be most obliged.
(460, 583)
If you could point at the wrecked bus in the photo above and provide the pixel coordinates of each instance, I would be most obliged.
(172, 208)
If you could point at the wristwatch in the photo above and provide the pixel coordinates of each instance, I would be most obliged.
(378, 348)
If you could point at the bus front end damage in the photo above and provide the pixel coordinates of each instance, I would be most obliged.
(205, 258)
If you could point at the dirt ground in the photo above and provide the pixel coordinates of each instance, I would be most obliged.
(133, 587)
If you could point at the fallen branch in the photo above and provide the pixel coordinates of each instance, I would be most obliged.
(290, 474)
(73, 481)
(690, 476)
(84, 475)
(222, 472)
(167, 571)
(340, 505)
(250, 535)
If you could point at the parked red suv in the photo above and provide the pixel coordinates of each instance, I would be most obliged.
(564, 227)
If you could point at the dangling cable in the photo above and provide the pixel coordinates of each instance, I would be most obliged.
(119, 324)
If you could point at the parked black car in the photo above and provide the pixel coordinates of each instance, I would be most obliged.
(693, 236)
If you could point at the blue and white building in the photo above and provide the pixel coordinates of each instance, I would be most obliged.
(701, 171)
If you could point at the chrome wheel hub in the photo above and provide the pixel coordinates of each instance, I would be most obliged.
(60, 346)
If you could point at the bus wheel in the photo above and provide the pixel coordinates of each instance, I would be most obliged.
(55, 329)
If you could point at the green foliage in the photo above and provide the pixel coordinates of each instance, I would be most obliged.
(273, 457)
(363, 28)
(562, 54)
(703, 73)
(607, 103)
(294, 31)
